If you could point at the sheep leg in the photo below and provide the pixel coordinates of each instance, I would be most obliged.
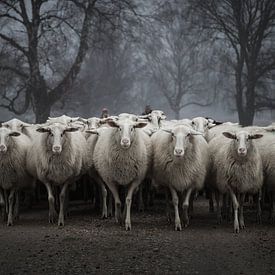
(114, 190)
(2, 205)
(140, 199)
(16, 207)
(191, 204)
(62, 198)
(235, 206)
(52, 212)
(259, 207)
(218, 198)
(6, 201)
(185, 206)
(272, 208)
(242, 199)
(104, 214)
(11, 205)
(110, 204)
(175, 200)
(167, 203)
(211, 202)
(128, 203)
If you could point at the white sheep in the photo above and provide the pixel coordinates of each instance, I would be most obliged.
(57, 157)
(13, 176)
(180, 158)
(266, 146)
(121, 157)
(236, 168)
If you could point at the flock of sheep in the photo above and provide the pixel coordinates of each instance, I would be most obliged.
(184, 156)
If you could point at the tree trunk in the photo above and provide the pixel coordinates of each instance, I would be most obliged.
(41, 102)
(246, 118)
(42, 113)
(177, 113)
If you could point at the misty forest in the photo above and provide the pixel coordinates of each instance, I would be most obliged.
(185, 57)
(137, 137)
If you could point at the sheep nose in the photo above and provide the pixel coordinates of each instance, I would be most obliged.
(57, 149)
(242, 150)
(125, 141)
(3, 148)
(178, 151)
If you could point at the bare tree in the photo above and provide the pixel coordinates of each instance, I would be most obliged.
(174, 56)
(43, 35)
(248, 28)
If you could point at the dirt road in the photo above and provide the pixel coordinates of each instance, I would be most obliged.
(88, 245)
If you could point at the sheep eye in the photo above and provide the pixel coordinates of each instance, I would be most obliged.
(193, 122)
(188, 135)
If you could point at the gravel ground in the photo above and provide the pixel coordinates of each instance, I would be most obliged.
(88, 245)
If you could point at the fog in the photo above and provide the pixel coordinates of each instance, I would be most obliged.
(77, 57)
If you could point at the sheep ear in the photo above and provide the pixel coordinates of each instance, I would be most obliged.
(140, 124)
(14, 134)
(94, 132)
(229, 135)
(71, 129)
(112, 123)
(255, 136)
(43, 130)
(211, 125)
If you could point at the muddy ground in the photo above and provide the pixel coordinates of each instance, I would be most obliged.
(88, 244)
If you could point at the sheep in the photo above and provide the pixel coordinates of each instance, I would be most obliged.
(56, 158)
(62, 119)
(91, 142)
(266, 146)
(180, 158)
(155, 118)
(121, 157)
(236, 168)
(13, 176)
(19, 126)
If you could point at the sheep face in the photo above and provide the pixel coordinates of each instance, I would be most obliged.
(242, 141)
(126, 131)
(201, 124)
(93, 123)
(155, 117)
(6, 136)
(181, 139)
(56, 136)
(15, 125)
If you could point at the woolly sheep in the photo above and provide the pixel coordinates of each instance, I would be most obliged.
(121, 157)
(13, 176)
(56, 158)
(236, 168)
(180, 157)
(266, 146)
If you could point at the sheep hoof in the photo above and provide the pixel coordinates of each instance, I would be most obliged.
(236, 230)
(128, 226)
(52, 218)
(61, 224)
(10, 223)
(178, 227)
(242, 226)
(104, 216)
